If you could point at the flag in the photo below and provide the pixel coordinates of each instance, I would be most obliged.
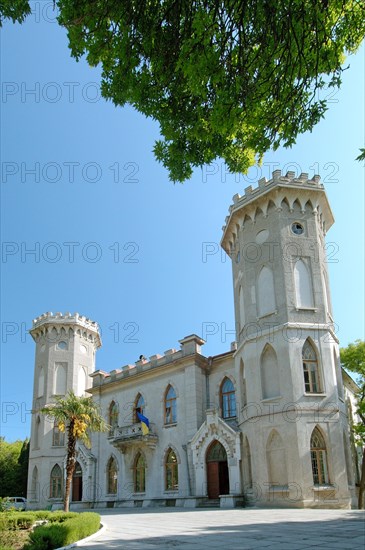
(145, 423)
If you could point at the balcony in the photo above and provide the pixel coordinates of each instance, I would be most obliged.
(125, 437)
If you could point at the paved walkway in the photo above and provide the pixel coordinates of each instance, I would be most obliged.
(237, 529)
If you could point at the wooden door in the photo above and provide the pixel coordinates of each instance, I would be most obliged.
(223, 478)
(213, 479)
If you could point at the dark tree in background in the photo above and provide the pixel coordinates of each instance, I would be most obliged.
(14, 459)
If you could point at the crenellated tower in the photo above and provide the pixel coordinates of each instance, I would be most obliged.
(287, 355)
(64, 360)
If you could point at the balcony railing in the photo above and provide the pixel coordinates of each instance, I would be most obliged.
(126, 436)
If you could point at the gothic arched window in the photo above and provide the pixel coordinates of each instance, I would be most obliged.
(113, 417)
(139, 474)
(58, 437)
(319, 458)
(312, 379)
(112, 476)
(171, 471)
(81, 381)
(228, 399)
(56, 482)
(170, 406)
(138, 407)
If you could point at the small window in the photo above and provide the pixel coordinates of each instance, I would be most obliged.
(62, 345)
(297, 228)
(171, 471)
(170, 406)
(228, 399)
(310, 369)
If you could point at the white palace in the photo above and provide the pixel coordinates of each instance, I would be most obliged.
(266, 423)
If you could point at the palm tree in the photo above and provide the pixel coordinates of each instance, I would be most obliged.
(78, 416)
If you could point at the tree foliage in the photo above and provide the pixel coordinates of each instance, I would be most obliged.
(14, 467)
(78, 416)
(353, 359)
(224, 79)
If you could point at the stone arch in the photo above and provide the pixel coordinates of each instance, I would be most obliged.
(266, 292)
(284, 205)
(338, 374)
(243, 382)
(303, 285)
(216, 460)
(138, 406)
(111, 471)
(227, 398)
(81, 380)
(311, 367)
(246, 464)
(34, 487)
(41, 380)
(60, 380)
(276, 460)
(170, 405)
(241, 302)
(346, 448)
(319, 457)
(270, 375)
(56, 482)
(37, 429)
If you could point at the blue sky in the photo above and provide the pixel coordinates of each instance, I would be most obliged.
(113, 238)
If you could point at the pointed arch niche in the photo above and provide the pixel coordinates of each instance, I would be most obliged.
(266, 292)
(60, 379)
(276, 461)
(242, 316)
(303, 285)
(270, 376)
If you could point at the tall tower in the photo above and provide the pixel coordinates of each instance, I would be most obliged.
(64, 359)
(292, 412)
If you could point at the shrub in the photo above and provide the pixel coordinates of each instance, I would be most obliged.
(71, 529)
(17, 520)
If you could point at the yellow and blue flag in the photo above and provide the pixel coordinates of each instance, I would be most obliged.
(145, 423)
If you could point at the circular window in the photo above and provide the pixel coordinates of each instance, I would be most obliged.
(62, 345)
(297, 228)
(83, 348)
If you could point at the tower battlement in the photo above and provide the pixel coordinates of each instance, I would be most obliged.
(279, 188)
(60, 318)
(48, 321)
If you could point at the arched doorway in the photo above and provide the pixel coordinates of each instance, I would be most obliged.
(217, 470)
(77, 484)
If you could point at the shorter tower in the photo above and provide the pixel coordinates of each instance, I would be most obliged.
(64, 360)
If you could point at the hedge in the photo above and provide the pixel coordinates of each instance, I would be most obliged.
(25, 520)
(55, 535)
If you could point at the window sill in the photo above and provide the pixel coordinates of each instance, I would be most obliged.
(270, 399)
(321, 488)
(172, 425)
(275, 312)
(315, 394)
(171, 491)
(312, 309)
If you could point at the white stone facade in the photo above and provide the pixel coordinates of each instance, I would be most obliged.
(265, 423)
